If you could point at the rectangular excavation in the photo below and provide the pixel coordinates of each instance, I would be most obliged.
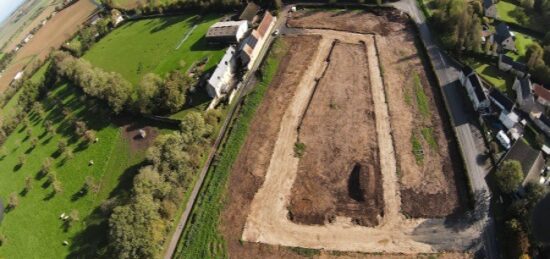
(339, 172)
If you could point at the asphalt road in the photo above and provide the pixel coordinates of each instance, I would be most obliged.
(469, 137)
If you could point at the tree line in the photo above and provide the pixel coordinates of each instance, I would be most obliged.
(153, 95)
(538, 60)
(139, 224)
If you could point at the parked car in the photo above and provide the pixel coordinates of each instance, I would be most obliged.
(504, 139)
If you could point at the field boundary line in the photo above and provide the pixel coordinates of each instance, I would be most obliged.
(186, 36)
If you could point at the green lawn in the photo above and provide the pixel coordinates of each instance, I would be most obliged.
(507, 12)
(522, 41)
(2, 54)
(202, 239)
(501, 80)
(151, 45)
(33, 229)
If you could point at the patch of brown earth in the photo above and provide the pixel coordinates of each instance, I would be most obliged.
(58, 30)
(378, 21)
(250, 167)
(339, 173)
(131, 133)
(434, 186)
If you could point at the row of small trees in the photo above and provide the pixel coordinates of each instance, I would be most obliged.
(138, 227)
(111, 87)
(155, 95)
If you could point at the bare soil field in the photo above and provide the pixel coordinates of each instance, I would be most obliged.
(344, 192)
(339, 173)
(249, 170)
(49, 9)
(379, 21)
(431, 182)
(59, 29)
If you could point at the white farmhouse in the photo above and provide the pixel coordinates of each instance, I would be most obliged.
(221, 80)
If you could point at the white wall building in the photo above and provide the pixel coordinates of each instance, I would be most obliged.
(222, 79)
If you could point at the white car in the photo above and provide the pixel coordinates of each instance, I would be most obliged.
(503, 139)
(276, 32)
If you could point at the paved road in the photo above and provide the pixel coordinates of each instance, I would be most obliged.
(249, 81)
(467, 134)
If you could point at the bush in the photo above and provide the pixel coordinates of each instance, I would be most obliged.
(509, 176)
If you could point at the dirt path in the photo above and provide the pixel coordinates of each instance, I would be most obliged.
(268, 220)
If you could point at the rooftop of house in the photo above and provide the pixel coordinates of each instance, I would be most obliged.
(501, 99)
(264, 25)
(487, 3)
(541, 92)
(467, 70)
(544, 119)
(222, 67)
(525, 87)
(502, 32)
(249, 12)
(516, 65)
(224, 29)
(526, 155)
(478, 87)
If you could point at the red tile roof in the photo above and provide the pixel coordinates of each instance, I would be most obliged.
(264, 25)
(541, 92)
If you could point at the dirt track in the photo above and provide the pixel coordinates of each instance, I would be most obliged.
(268, 220)
(433, 187)
(59, 29)
(249, 170)
(338, 177)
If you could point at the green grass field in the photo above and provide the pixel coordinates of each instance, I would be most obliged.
(202, 239)
(522, 42)
(33, 229)
(506, 10)
(151, 45)
(499, 79)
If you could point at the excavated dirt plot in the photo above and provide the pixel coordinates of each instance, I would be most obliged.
(249, 169)
(266, 177)
(434, 186)
(339, 173)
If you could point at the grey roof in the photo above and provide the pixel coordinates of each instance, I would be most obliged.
(467, 70)
(224, 29)
(545, 120)
(502, 99)
(515, 65)
(487, 3)
(223, 66)
(502, 32)
(249, 12)
(523, 153)
(525, 85)
(478, 87)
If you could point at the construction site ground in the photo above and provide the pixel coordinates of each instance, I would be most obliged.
(345, 192)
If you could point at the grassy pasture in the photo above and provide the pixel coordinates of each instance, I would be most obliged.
(33, 229)
(151, 45)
